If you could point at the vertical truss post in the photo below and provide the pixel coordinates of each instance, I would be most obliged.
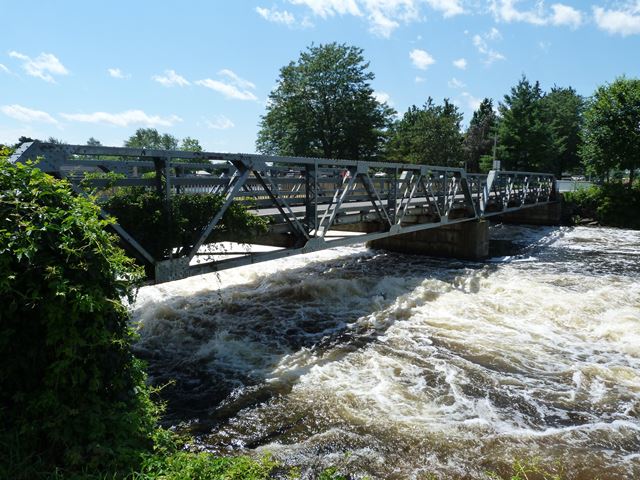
(468, 197)
(392, 197)
(158, 164)
(167, 202)
(311, 197)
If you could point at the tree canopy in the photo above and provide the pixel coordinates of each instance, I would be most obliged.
(562, 109)
(525, 138)
(323, 105)
(611, 132)
(429, 135)
(479, 138)
(540, 131)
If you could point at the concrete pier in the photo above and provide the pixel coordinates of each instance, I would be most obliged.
(546, 214)
(467, 240)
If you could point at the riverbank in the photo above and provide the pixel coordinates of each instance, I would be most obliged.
(610, 205)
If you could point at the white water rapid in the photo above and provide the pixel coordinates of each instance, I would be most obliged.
(397, 366)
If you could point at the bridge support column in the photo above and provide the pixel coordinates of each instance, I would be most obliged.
(546, 214)
(466, 240)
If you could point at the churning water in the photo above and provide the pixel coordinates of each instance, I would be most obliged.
(398, 366)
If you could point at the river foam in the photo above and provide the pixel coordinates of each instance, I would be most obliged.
(396, 366)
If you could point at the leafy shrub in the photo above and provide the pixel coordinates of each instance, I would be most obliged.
(206, 466)
(160, 228)
(612, 204)
(71, 393)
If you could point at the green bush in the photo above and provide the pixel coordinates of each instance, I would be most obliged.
(205, 466)
(159, 228)
(72, 395)
(612, 204)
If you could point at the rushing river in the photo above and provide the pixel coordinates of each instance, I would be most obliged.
(397, 366)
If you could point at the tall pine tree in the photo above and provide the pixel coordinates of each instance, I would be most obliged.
(478, 139)
(525, 136)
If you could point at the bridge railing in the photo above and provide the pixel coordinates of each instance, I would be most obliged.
(307, 200)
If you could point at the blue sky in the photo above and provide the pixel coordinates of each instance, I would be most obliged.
(77, 69)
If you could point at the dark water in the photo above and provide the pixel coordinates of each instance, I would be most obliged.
(398, 366)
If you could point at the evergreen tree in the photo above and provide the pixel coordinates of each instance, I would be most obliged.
(525, 137)
(479, 138)
(563, 109)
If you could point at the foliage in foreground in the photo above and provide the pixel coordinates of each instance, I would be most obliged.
(610, 204)
(71, 392)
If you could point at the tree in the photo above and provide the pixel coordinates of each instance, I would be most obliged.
(323, 105)
(150, 138)
(563, 109)
(94, 142)
(525, 138)
(479, 138)
(611, 131)
(430, 134)
(190, 144)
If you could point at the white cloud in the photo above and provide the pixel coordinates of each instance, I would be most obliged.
(461, 63)
(472, 102)
(229, 91)
(566, 15)
(449, 8)
(117, 73)
(24, 114)
(171, 78)
(562, 15)
(4, 69)
(236, 87)
(455, 83)
(383, 97)
(421, 59)
(44, 66)
(123, 119)
(220, 123)
(420, 79)
(329, 8)
(624, 21)
(240, 82)
(481, 42)
(381, 25)
(506, 11)
(275, 16)
(384, 16)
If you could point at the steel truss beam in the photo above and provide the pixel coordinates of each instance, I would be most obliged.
(306, 199)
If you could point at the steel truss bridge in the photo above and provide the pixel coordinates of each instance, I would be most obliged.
(311, 203)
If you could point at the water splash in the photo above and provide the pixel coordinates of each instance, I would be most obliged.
(409, 364)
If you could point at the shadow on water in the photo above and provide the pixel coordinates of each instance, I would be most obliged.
(220, 350)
